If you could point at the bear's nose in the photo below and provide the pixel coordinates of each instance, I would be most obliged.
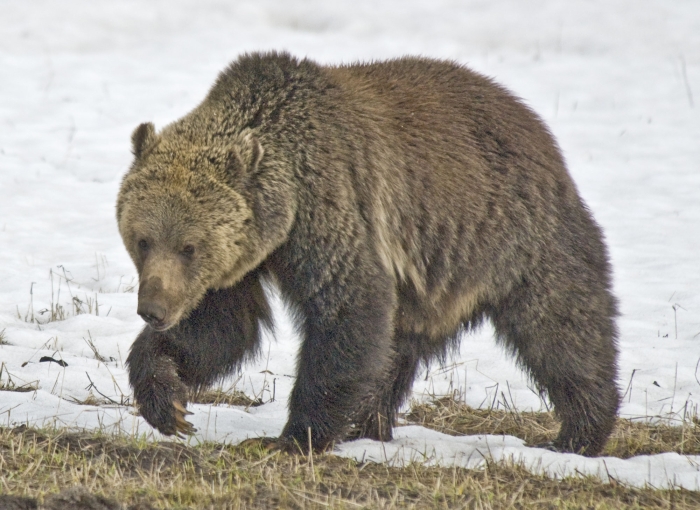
(151, 312)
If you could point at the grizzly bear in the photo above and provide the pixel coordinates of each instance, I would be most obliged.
(395, 205)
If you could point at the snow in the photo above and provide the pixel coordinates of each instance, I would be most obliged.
(618, 83)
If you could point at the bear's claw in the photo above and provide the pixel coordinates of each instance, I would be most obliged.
(183, 428)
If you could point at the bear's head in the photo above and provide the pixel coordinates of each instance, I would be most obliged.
(183, 221)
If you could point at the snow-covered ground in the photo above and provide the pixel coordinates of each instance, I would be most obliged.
(618, 82)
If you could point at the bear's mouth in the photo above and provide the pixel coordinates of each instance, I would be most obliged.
(159, 325)
(157, 322)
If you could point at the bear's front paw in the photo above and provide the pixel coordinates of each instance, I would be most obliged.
(182, 426)
(167, 417)
(162, 399)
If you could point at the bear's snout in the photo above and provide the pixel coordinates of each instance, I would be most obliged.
(152, 307)
(152, 313)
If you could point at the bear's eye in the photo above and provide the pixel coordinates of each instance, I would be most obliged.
(188, 250)
(143, 245)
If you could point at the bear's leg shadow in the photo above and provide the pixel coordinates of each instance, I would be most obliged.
(563, 333)
(219, 335)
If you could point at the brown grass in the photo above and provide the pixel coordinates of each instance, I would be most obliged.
(630, 438)
(7, 383)
(58, 469)
(229, 397)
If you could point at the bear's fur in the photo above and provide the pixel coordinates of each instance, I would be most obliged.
(395, 205)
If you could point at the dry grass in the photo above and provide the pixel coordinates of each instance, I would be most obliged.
(90, 400)
(630, 438)
(43, 467)
(60, 281)
(7, 382)
(229, 397)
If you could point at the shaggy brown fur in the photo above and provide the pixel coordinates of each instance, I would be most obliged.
(395, 205)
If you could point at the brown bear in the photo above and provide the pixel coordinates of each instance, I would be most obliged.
(395, 205)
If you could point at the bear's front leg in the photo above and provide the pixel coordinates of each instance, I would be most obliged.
(345, 355)
(213, 341)
(159, 392)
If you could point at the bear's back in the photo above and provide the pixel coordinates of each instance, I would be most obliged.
(465, 178)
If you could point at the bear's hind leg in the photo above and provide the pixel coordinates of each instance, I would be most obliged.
(563, 333)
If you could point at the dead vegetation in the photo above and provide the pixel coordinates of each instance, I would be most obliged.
(629, 439)
(56, 311)
(228, 397)
(8, 383)
(56, 469)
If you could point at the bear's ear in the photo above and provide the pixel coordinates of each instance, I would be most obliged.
(143, 138)
(246, 155)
